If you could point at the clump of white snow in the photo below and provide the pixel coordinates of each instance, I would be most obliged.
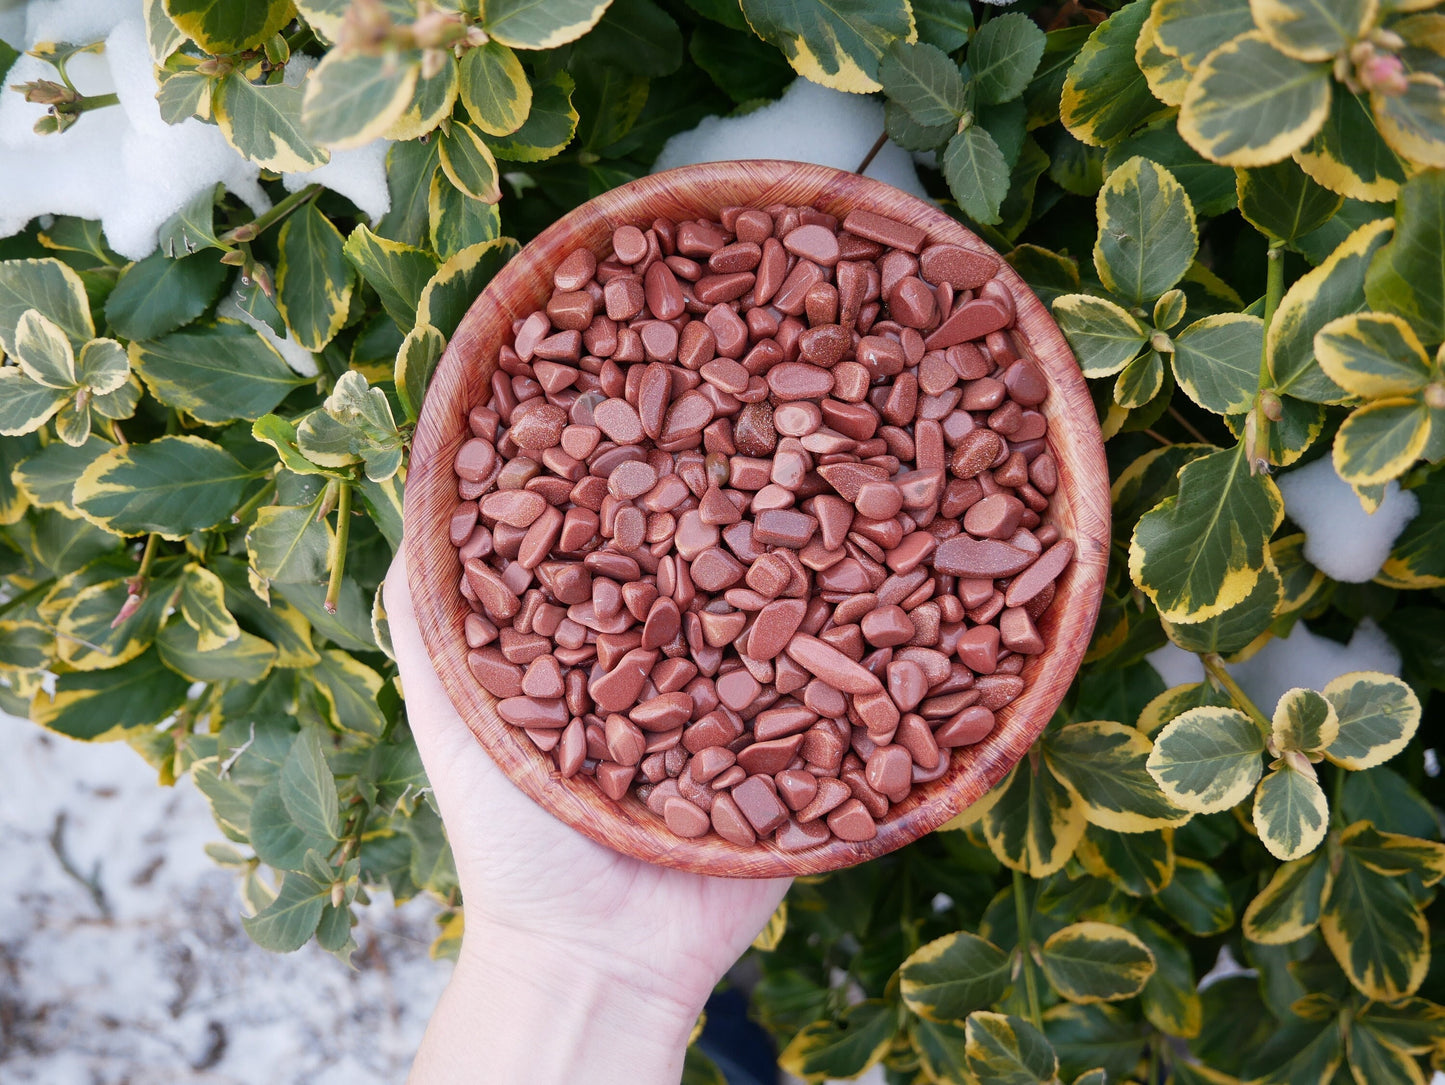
(1302, 659)
(358, 174)
(124, 165)
(1341, 539)
(809, 123)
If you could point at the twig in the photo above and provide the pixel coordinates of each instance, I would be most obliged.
(872, 152)
(92, 883)
(1193, 431)
(1214, 665)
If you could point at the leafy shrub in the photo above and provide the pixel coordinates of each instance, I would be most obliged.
(1239, 202)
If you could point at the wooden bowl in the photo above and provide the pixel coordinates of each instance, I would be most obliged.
(1080, 509)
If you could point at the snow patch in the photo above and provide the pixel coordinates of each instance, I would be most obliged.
(358, 174)
(163, 985)
(1302, 659)
(122, 165)
(809, 123)
(1341, 539)
(297, 357)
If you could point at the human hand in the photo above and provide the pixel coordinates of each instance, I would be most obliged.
(549, 910)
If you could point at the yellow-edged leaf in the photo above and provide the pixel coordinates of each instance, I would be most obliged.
(1105, 764)
(1208, 759)
(1290, 906)
(1304, 721)
(1036, 822)
(1372, 355)
(1290, 812)
(952, 976)
(1313, 29)
(1250, 105)
(1097, 962)
(1378, 715)
(1381, 440)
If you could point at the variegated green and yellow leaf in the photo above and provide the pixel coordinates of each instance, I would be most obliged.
(53, 289)
(1413, 123)
(1036, 822)
(248, 658)
(450, 292)
(551, 123)
(1199, 552)
(468, 163)
(1395, 854)
(836, 44)
(1250, 105)
(953, 976)
(203, 608)
(1372, 355)
(773, 930)
(1372, 1058)
(1290, 812)
(1208, 759)
(494, 89)
(1141, 380)
(172, 486)
(352, 97)
(1375, 931)
(1235, 629)
(216, 371)
(1007, 1050)
(1147, 238)
(1192, 29)
(1097, 962)
(100, 706)
(25, 406)
(1197, 898)
(431, 102)
(941, 1050)
(455, 221)
(219, 26)
(85, 638)
(1283, 201)
(1381, 440)
(1105, 763)
(102, 367)
(263, 122)
(48, 477)
(1331, 290)
(1348, 155)
(1170, 1000)
(1290, 906)
(398, 273)
(1216, 361)
(1141, 864)
(289, 544)
(529, 25)
(1311, 29)
(1407, 277)
(43, 352)
(349, 688)
(420, 351)
(313, 279)
(1304, 721)
(1165, 73)
(844, 1048)
(1378, 715)
(1105, 96)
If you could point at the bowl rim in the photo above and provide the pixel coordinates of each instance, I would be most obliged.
(520, 287)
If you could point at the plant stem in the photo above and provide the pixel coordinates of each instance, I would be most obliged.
(1214, 666)
(1031, 990)
(148, 558)
(343, 533)
(1189, 427)
(249, 231)
(872, 152)
(254, 502)
(29, 593)
(1274, 290)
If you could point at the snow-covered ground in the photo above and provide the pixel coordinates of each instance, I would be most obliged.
(149, 979)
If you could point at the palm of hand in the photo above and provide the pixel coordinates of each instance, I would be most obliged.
(524, 871)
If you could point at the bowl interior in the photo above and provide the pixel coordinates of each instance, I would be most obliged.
(1079, 507)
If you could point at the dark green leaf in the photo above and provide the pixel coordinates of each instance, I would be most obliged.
(925, 82)
(174, 485)
(215, 372)
(98, 704)
(313, 279)
(1282, 201)
(977, 173)
(1003, 56)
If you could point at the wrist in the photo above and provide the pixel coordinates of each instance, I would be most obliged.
(525, 1007)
